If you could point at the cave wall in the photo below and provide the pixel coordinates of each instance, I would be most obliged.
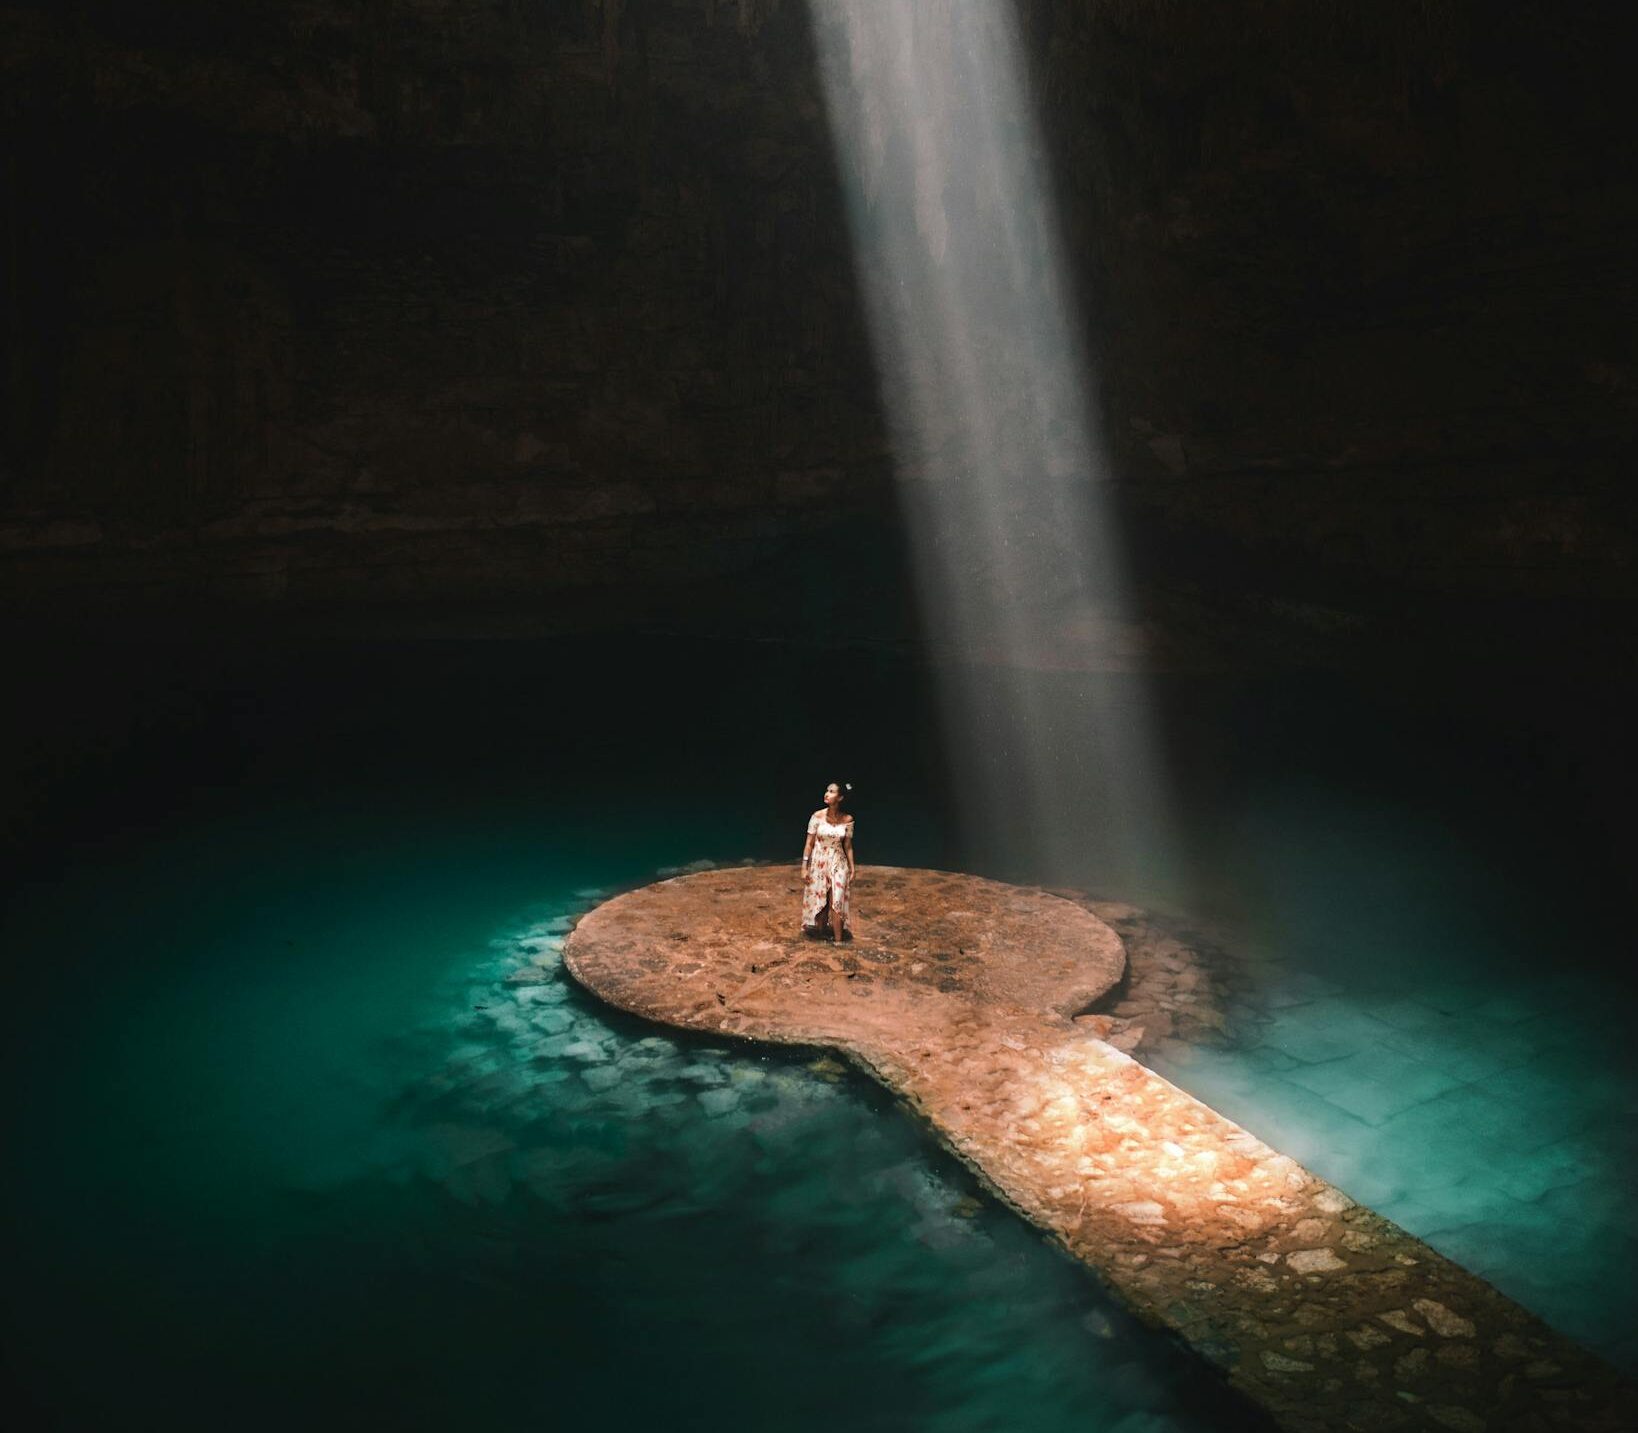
(1363, 278)
(446, 300)
(351, 303)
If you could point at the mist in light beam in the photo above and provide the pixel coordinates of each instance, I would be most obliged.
(987, 392)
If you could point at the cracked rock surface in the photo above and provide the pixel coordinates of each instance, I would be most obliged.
(972, 999)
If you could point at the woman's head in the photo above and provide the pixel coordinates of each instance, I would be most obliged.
(838, 792)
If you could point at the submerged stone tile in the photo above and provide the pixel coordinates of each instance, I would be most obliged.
(1334, 1031)
(1462, 1049)
(1551, 1167)
(1507, 1009)
(1410, 1013)
(1374, 1083)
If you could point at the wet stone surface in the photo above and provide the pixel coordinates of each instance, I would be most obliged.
(999, 1014)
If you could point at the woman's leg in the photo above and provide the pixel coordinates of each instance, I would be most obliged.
(813, 897)
(838, 904)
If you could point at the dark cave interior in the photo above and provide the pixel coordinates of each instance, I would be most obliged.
(456, 414)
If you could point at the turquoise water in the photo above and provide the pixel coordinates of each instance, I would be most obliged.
(289, 1142)
(317, 1155)
(1469, 1075)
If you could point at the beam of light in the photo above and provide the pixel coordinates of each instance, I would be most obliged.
(987, 393)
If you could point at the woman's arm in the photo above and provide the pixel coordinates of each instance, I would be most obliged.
(847, 847)
(807, 850)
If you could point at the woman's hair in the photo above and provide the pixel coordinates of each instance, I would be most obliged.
(845, 787)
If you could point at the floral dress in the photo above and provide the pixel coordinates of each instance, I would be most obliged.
(828, 874)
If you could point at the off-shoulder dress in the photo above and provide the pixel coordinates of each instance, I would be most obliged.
(828, 874)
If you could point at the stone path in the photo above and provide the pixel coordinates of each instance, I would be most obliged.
(1491, 1116)
(971, 999)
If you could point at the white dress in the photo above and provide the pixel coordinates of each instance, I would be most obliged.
(828, 874)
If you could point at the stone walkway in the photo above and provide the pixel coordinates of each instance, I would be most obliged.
(1489, 1112)
(972, 1000)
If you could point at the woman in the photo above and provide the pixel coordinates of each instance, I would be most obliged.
(827, 867)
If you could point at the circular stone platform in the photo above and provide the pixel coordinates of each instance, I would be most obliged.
(959, 993)
(723, 951)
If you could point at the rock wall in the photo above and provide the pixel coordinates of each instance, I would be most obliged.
(443, 300)
(352, 304)
(1361, 280)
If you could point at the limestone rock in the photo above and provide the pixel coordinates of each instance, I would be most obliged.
(1314, 1261)
(1442, 1320)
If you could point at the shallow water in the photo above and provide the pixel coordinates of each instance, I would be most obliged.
(291, 1141)
(1473, 1085)
(326, 1157)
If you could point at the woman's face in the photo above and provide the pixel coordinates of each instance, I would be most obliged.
(833, 794)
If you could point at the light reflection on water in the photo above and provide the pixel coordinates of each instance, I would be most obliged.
(292, 1142)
